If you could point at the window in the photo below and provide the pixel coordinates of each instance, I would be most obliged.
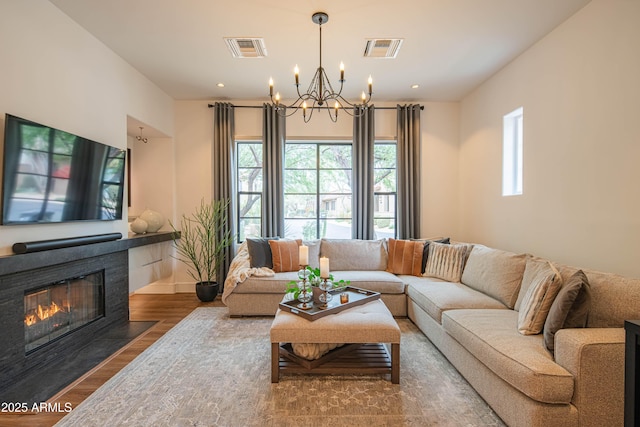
(512, 153)
(317, 189)
(384, 191)
(249, 188)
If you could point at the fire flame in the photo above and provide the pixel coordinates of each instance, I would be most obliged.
(42, 313)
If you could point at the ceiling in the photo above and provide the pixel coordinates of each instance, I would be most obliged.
(449, 47)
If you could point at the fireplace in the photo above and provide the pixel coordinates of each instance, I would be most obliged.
(55, 310)
(55, 302)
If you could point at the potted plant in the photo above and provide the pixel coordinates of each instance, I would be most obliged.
(201, 245)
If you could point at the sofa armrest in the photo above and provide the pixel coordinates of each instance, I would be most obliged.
(595, 358)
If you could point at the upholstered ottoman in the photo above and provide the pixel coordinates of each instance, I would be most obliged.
(365, 330)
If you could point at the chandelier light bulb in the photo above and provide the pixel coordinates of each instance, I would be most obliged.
(341, 71)
(296, 71)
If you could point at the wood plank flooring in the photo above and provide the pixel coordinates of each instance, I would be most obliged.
(168, 310)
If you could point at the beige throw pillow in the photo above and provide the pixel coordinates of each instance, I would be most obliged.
(446, 262)
(541, 292)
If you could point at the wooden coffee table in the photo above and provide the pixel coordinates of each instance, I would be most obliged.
(366, 330)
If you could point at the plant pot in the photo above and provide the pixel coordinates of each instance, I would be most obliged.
(316, 295)
(207, 291)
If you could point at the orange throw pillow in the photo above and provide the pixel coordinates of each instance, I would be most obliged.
(285, 255)
(405, 257)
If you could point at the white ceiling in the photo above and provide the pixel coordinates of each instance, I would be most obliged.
(450, 46)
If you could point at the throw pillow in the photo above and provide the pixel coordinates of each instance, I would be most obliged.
(285, 255)
(405, 257)
(425, 250)
(536, 303)
(446, 262)
(570, 308)
(260, 251)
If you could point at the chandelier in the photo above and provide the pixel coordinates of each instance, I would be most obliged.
(320, 91)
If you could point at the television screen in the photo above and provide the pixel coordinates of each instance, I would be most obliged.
(54, 176)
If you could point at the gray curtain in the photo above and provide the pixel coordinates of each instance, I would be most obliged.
(408, 169)
(363, 179)
(274, 137)
(223, 154)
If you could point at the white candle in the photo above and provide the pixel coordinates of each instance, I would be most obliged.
(303, 254)
(324, 267)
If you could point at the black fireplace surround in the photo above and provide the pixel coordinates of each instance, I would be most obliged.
(21, 274)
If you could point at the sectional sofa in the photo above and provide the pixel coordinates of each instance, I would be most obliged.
(486, 310)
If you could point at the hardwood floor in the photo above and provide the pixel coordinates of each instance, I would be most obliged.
(168, 310)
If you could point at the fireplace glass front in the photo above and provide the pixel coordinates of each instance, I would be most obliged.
(55, 310)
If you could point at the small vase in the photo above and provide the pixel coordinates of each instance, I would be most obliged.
(316, 295)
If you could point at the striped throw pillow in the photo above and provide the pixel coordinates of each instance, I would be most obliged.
(541, 292)
(405, 257)
(446, 262)
(285, 255)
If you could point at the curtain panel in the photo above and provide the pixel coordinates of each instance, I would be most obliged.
(274, 136)
(408, 170)
(223, 173)
(363, 180)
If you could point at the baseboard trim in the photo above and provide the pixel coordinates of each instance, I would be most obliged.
(166, 288)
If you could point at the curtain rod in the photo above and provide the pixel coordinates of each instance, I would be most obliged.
(317, 108)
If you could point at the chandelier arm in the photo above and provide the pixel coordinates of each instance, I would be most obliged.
(320, 90)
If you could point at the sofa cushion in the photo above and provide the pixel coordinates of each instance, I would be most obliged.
(570, 309)
(436, 296)
(520, 360)
(543, 282)
(352, 254)
(260, 251)
(495, 272)
(405, 257)
(446, 262)
(376, 281)
(285, 255)
(314, 252)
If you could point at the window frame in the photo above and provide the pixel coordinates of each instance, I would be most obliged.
(239, 192)
(513, 153)
(319, 218)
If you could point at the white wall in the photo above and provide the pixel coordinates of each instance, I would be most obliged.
(440, 124)
(55, 73)
(580, 90)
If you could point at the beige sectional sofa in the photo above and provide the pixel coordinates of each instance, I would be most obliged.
(474, 323)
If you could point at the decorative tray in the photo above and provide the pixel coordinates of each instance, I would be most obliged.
(356, 296)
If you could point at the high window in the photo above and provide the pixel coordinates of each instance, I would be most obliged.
(512, 153)
(317, 189)
(249, 188)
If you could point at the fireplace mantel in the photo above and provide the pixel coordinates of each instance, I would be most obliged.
(24, 262)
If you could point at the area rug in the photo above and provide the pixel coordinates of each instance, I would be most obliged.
(212, 370)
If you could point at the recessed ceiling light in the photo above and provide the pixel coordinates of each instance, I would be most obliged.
(220, 85)
(415, 86)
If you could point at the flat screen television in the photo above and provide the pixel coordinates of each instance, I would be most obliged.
(52, 176)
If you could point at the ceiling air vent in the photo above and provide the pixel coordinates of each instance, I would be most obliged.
(246, 47)
(382, 48)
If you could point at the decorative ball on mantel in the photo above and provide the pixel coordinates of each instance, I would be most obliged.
(139, 226)
(154, 220)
